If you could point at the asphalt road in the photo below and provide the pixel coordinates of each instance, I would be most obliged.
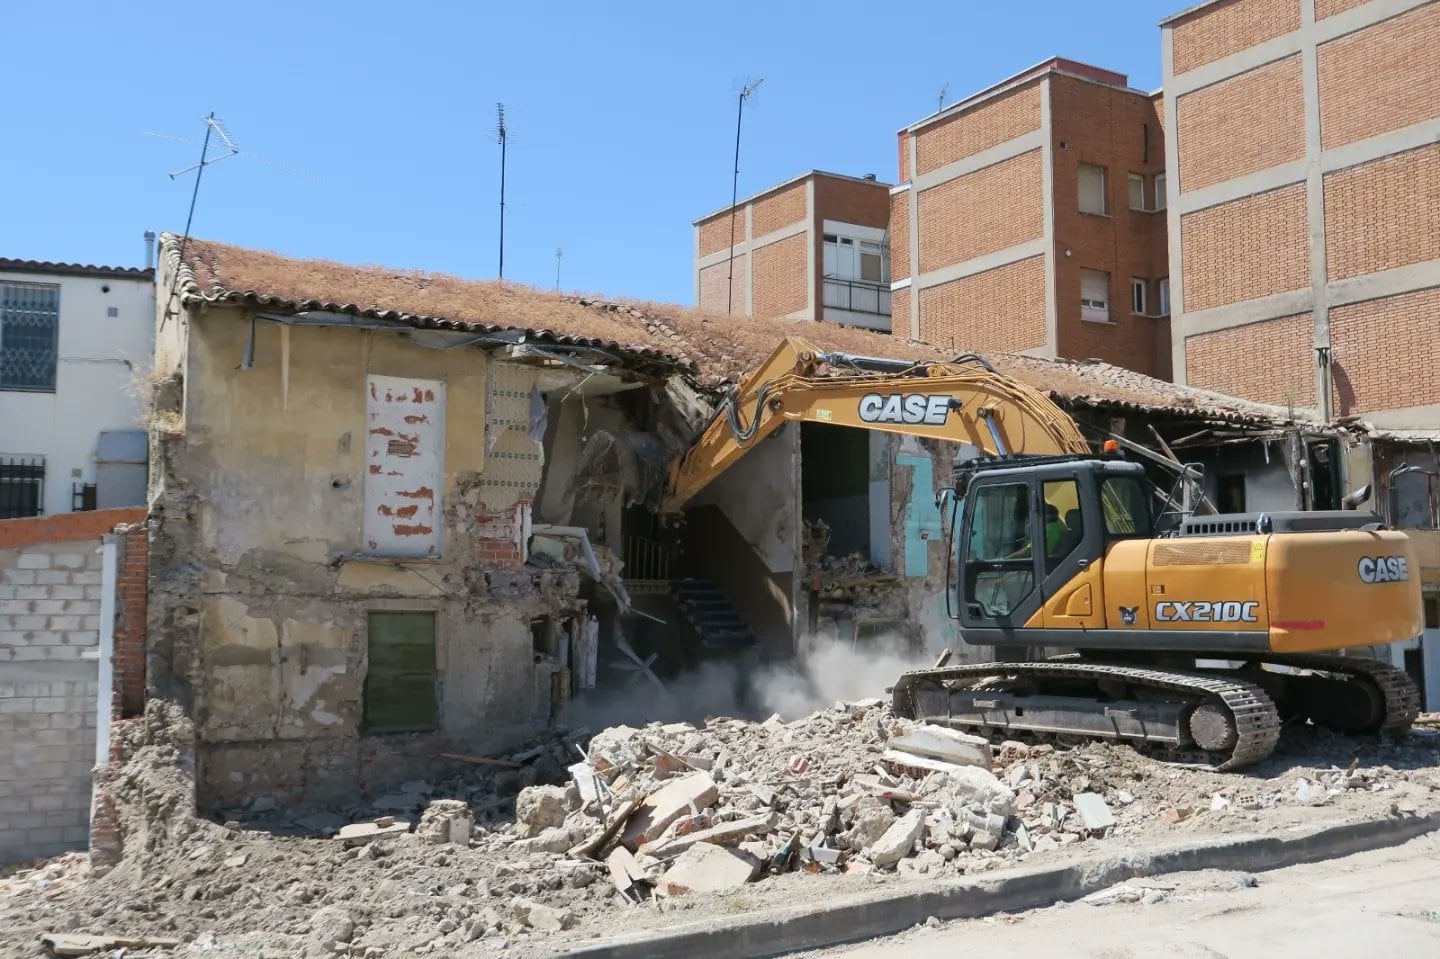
(1381, 903)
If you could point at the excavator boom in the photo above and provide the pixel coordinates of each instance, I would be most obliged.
(963, 401)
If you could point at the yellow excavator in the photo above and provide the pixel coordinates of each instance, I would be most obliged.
(1195, 636)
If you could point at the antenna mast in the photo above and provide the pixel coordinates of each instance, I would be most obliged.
(745, 94)
(503, 135)
(558, 254)
(944, 91)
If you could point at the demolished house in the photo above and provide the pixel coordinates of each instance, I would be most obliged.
(399, 516)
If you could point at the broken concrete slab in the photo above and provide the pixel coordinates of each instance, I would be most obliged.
(585, 779)
(360, 833)
(597, 843)
(687, 794)
(899, 839)
(946, 745)
(972, 786)
(706, 867)
(1093, 811)
(625, 872)
(724, 834)
(81, 944)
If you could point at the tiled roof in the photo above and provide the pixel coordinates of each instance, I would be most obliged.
(12, 265)
(716, 348)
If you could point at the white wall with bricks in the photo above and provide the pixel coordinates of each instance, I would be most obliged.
(50, 596)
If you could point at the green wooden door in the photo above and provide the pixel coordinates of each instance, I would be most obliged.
(400, 683)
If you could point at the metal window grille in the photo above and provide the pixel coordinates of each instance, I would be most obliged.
(22, 486)
(29, 332)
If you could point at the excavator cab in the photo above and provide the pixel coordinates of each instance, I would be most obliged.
(1023, 530)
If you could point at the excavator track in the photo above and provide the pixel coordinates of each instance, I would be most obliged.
(1251, 713)
(1400, 694)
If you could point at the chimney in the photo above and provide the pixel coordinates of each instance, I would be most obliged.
(149, 249)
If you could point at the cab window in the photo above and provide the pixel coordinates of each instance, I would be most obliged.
(1127, 508)
(1064, 527)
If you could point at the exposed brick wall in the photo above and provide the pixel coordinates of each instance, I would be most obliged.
(1400, 192)
(715, 232)
(1328, 8)
(900, 236)
(63, 527)
(780, 277)
(970, 131)
(132, 598)
(1386, 353)
(1225, 28)
(903, 141)
(1271, 362)
(1245, 249)
(1000, 309)
(1247, 123)
(713, 282)
(778, 210)
(981, 212)
(1381, 78)
(1121, 132)
(498, 535)
(900, 312)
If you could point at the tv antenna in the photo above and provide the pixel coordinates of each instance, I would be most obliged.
(944, 92)
(558, 254)
(502, 136)
(745, 93)
(215, 129)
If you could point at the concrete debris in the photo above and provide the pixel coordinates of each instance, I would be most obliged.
(538, 808)
(80, 944)
(448, 820)
(899, 840)
(725, 834)
(694, 792)
(706, 867)
(542, 917)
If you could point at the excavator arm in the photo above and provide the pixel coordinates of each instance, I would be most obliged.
(963, 401)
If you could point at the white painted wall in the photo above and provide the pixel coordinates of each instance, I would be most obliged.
(99, 356)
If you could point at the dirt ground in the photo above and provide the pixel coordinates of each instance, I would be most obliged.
(1380, 903)
(248, 889)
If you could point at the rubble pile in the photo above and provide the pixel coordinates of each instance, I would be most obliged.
(648, 820)
(673, 809)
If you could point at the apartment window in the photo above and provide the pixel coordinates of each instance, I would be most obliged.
(1164, 297)
(1159, 191)
(849, 259)
(1137, 192)
(1095, 296)
(1092, 189)
(22, 486)
(400, 678)
(1138, 290)
(29, 331)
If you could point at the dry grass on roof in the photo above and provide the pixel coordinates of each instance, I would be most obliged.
(220, 268)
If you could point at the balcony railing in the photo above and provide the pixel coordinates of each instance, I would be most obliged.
(647, 559)
(857, 296)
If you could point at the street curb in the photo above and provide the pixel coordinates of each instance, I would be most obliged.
(773, 932)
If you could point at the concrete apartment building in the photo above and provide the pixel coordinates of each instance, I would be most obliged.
(73, 340)
(811, 248)
(1304, 203)
(1029, 218)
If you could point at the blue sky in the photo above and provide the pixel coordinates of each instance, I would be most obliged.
(622, 116)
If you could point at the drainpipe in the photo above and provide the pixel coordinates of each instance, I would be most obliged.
(105, 698)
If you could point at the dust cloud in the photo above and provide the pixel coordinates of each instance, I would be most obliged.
(831, 669)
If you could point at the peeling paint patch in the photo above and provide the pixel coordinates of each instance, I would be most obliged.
(405, 440)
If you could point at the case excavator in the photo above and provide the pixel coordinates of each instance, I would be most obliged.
(1192, 636)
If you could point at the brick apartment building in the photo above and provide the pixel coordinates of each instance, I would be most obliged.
(1029, 219)
(1304, 203)
(813, 248)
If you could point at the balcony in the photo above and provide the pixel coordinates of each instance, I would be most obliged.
(857, 296)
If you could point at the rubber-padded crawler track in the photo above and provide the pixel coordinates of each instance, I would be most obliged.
(1257, 721)
(1402, 696)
